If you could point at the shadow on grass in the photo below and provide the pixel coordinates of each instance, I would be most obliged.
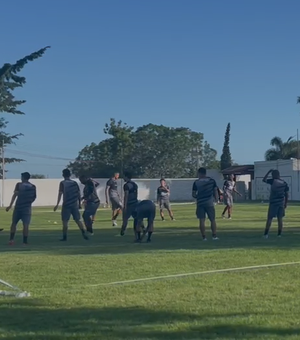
(28, 320)
(108, 241)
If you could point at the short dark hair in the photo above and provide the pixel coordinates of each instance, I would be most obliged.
(162, 179)
(202, 171)
(275, 174)
(127, 174)
(25, 175)
(66, 173)
(83, 177)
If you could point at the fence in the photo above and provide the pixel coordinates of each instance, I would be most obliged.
(47, 189)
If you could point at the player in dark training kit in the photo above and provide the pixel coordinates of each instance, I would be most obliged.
(91, 202)
(205, 190)
(112, 195)
(228, 190)
(25, 192)
(130, 202)
(277, 202)
(144, 210)
(163, 199)
(70, 191)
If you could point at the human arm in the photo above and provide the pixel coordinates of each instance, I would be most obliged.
(286, 196)
(216, 191)
(14, 196)
(126, 193)
(107, 190)
(34, 196)
(194, 190)
(60, 193)
(265, 179)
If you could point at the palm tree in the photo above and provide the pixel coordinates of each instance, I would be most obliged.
(282, 150)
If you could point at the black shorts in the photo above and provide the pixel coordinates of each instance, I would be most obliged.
(91, 208)
(206, 210)
(276, 211)
(129, 212)
(21, 215)
(67, 212)
(146, 209)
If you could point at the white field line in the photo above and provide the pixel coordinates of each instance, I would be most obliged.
(175, 276)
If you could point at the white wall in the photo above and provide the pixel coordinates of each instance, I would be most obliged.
(181, 189)
(289, 171)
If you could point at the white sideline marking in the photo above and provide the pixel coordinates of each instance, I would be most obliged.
(215, 271)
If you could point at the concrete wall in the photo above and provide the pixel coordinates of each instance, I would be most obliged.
(181, 189)
(289, 171)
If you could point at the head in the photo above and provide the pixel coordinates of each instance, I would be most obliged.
(83, 179)
(116, 175)
(127, 176)
(231, 177)
(66, 173)
(201, 172)
(25, 176)
(275, 174)
(162, 182)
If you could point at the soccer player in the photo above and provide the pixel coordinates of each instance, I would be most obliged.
(228, 190)
(130, 202)
(204, 190)
(112, 193)
(70, 191)
(25, 192)
(91, 202)
(277, 202)
(144, 209)
(163, 199)
(96, 186)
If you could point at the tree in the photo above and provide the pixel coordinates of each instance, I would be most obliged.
(37, 176)
(149, 151)
(226, 160)
(9, 81)
(209, 160)
(282, 150)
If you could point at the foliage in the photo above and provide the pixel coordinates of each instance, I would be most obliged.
(150, 151)
(37, 176)
(282, 150)
(226, 160)
(9, 81)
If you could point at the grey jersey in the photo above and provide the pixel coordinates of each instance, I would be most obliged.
(228, 187)
(112, 184)
(26, 192)
(279, 189)
(163, 193)
(71, 192)
(204, 189)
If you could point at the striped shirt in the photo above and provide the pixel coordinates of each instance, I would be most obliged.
(204, 189)
(90, 193)
(132, 189)
(71, 192)
(26, 192)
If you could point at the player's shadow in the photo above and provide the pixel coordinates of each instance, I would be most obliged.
(108, 241)
(27, 320)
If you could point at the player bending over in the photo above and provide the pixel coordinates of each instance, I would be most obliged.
(112, 195)
(70, 191)
(144, 209)
(277, 202)
(130, 202)
(228, 190)
(91, 202)
(205, 190)
(25, 192)
(163, 199)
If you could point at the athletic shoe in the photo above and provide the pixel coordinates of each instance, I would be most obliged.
(266, 236)
(215, 238)
(11, 243)
(114, 224)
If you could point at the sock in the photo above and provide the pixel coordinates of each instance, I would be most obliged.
(64, 236)
(204, 237)
(138, 235)
(266, 232)
(279, 232)
(214, 235)
(162, 218)
(12, 236)
(149, 235)
(25, 239)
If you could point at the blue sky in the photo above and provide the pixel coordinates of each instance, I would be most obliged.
(193, 63)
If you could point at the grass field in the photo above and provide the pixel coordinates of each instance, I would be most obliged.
(72, 297)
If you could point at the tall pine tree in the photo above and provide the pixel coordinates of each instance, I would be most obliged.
(226, 160)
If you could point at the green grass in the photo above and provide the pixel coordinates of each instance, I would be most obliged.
(255, 304)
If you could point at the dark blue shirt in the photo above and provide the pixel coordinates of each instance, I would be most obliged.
(204, 189)
(279, 190)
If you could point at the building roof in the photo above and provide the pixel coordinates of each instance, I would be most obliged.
(239, 170)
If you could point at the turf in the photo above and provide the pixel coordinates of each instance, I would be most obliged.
(71, 297)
